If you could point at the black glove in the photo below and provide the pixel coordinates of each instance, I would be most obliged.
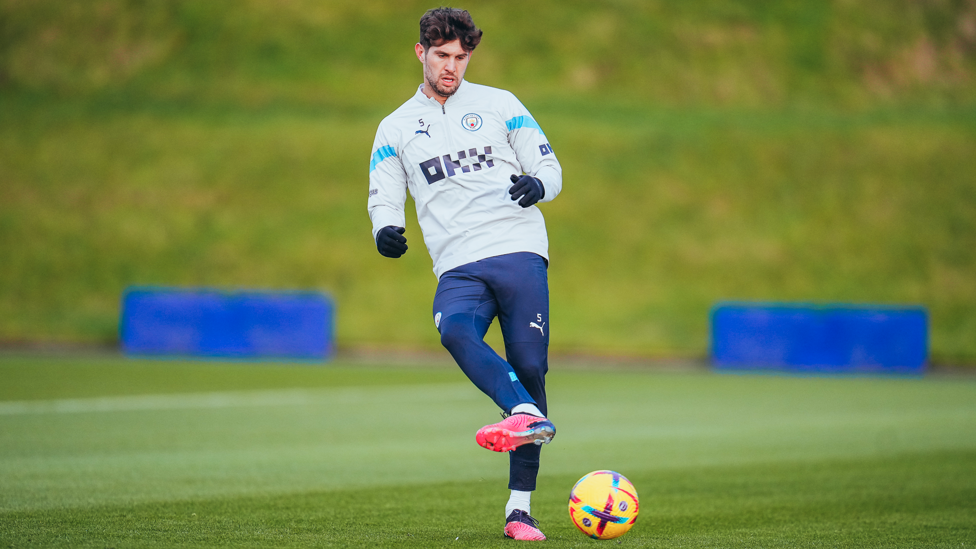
(528, 188)
(390, 242)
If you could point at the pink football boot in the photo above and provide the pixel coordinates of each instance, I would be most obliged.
(521, 526)
(514, 431)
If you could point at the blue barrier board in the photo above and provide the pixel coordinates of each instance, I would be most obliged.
(819, 338)
(206, 322)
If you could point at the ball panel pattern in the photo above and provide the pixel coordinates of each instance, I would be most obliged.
(603, 504)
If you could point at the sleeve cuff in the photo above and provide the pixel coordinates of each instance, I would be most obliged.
(551, 183)
(385, 219)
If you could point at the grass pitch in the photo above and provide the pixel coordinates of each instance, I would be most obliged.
(121, 453)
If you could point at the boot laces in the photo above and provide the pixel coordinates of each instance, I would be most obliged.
(519, 515)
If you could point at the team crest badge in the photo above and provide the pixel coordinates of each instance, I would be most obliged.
(471, 122)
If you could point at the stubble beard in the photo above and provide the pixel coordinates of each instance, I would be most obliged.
(438, 89)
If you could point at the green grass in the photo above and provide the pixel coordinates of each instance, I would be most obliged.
(727, 53)
(664, 213)
(123, 453)
(805, 151)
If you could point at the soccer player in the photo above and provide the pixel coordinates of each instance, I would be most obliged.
(476, 164)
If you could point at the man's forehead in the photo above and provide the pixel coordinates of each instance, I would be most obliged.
(453, 48)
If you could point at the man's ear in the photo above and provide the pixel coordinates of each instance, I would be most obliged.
(419, 48)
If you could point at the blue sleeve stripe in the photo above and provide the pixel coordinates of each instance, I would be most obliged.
(523, 122)
(380, 155)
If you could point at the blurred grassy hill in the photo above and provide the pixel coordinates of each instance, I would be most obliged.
(798, 150)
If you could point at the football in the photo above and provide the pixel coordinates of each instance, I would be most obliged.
(603, 504)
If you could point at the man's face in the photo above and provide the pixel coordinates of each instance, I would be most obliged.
(444, 67)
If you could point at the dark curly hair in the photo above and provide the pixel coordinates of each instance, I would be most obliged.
(441, 25)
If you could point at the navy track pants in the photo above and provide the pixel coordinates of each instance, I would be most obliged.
(515, 288)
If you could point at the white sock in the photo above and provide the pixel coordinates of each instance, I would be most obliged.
(518, 500)
(528, 408)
